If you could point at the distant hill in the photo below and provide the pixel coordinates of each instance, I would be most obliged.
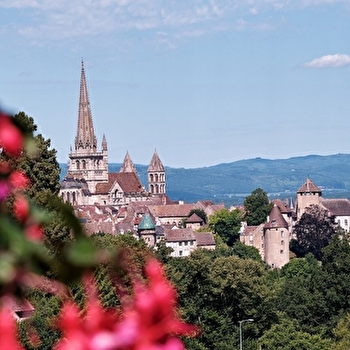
(232, 182)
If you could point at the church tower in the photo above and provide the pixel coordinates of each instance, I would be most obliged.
(85, 161)
(308, 194)
(156, 175)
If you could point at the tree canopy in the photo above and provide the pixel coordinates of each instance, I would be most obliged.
(313, 232)
(257, 207)
(226, 224)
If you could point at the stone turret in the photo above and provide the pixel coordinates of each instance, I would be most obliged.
(156, 176)
(276, 239)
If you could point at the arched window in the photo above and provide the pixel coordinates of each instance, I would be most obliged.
(78, 164)
(151, 177)
(156, 177)
(84, 164)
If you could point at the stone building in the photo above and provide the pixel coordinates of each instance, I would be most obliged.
(88, 180)
(308, 194)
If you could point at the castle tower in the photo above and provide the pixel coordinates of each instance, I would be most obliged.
(147, 230)
(85, 161)
(128, 165)
(276, 239)
(156, 175)
(308, 194)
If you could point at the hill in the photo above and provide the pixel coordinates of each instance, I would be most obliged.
(232, 182)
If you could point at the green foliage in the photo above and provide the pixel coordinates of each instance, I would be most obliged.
(257, 207)
(215, 292)
(313, 231)
(226, 224)
(163, 252)
(246, 252)
(342, 334)
(47, 307)
(287, 336)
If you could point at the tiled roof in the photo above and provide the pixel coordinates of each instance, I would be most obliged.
(308, 186)
(194, 219)
(181, 234)
(337, 207)
(129, 183)
(171, 210)
(204, 238)
(283, 207)
(276, 219)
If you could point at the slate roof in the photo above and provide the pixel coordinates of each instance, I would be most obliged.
(129, 183)
(337, 207)
(276, 220)
(308, 186)
(181, 234)
(204, 239)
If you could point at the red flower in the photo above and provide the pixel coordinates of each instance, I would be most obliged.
(21, 208)
(11, 138)
(19, 180)
(149, 323)
(8, 339)
(34, 232)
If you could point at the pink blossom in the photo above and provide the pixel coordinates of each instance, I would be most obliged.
(11, 138)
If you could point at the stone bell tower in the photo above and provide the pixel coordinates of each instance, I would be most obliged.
(85, 161)
(156, 175)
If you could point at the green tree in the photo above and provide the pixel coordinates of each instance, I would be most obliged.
(288, 336)
(226, 224)
(313, 232)
(342, 334)
(257, 207)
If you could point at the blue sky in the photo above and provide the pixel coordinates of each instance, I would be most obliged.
(203, 82)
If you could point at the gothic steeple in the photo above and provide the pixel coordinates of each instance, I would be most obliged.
(128, 165)
(85, 140)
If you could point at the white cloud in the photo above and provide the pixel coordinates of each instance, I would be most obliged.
(329, 61)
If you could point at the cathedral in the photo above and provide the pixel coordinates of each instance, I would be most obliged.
(88, 181)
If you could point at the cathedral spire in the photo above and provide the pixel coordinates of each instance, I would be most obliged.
(128, 165)
(85, 140)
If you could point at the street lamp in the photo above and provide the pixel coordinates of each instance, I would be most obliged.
(240, 331)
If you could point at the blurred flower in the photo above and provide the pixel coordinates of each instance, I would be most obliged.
(150, 322)
(19, 180)
(11, 138)
(8, 339)
(21, 208)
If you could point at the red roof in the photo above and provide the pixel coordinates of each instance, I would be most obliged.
(308, 186)
(129, 183)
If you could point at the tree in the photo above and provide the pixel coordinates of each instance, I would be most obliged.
(313, 232)
(287, 336)
(257, 207)
(226, 224)
(38, 162)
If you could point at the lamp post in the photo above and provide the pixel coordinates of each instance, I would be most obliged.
(240, 331)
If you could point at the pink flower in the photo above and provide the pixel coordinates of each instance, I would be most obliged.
(34, 232)
(21, 208)
(149, 323)
(19, 180)
(8, 339)
(11, 138)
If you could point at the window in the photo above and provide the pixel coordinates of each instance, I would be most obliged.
(282, 242)
(186, 243)
(180, 252)
(346, 222)
(281, 251)
(191, 242)
(282, 233)
(251, 237)
(180, 243)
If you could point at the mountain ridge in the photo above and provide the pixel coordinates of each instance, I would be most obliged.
(232, 182)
